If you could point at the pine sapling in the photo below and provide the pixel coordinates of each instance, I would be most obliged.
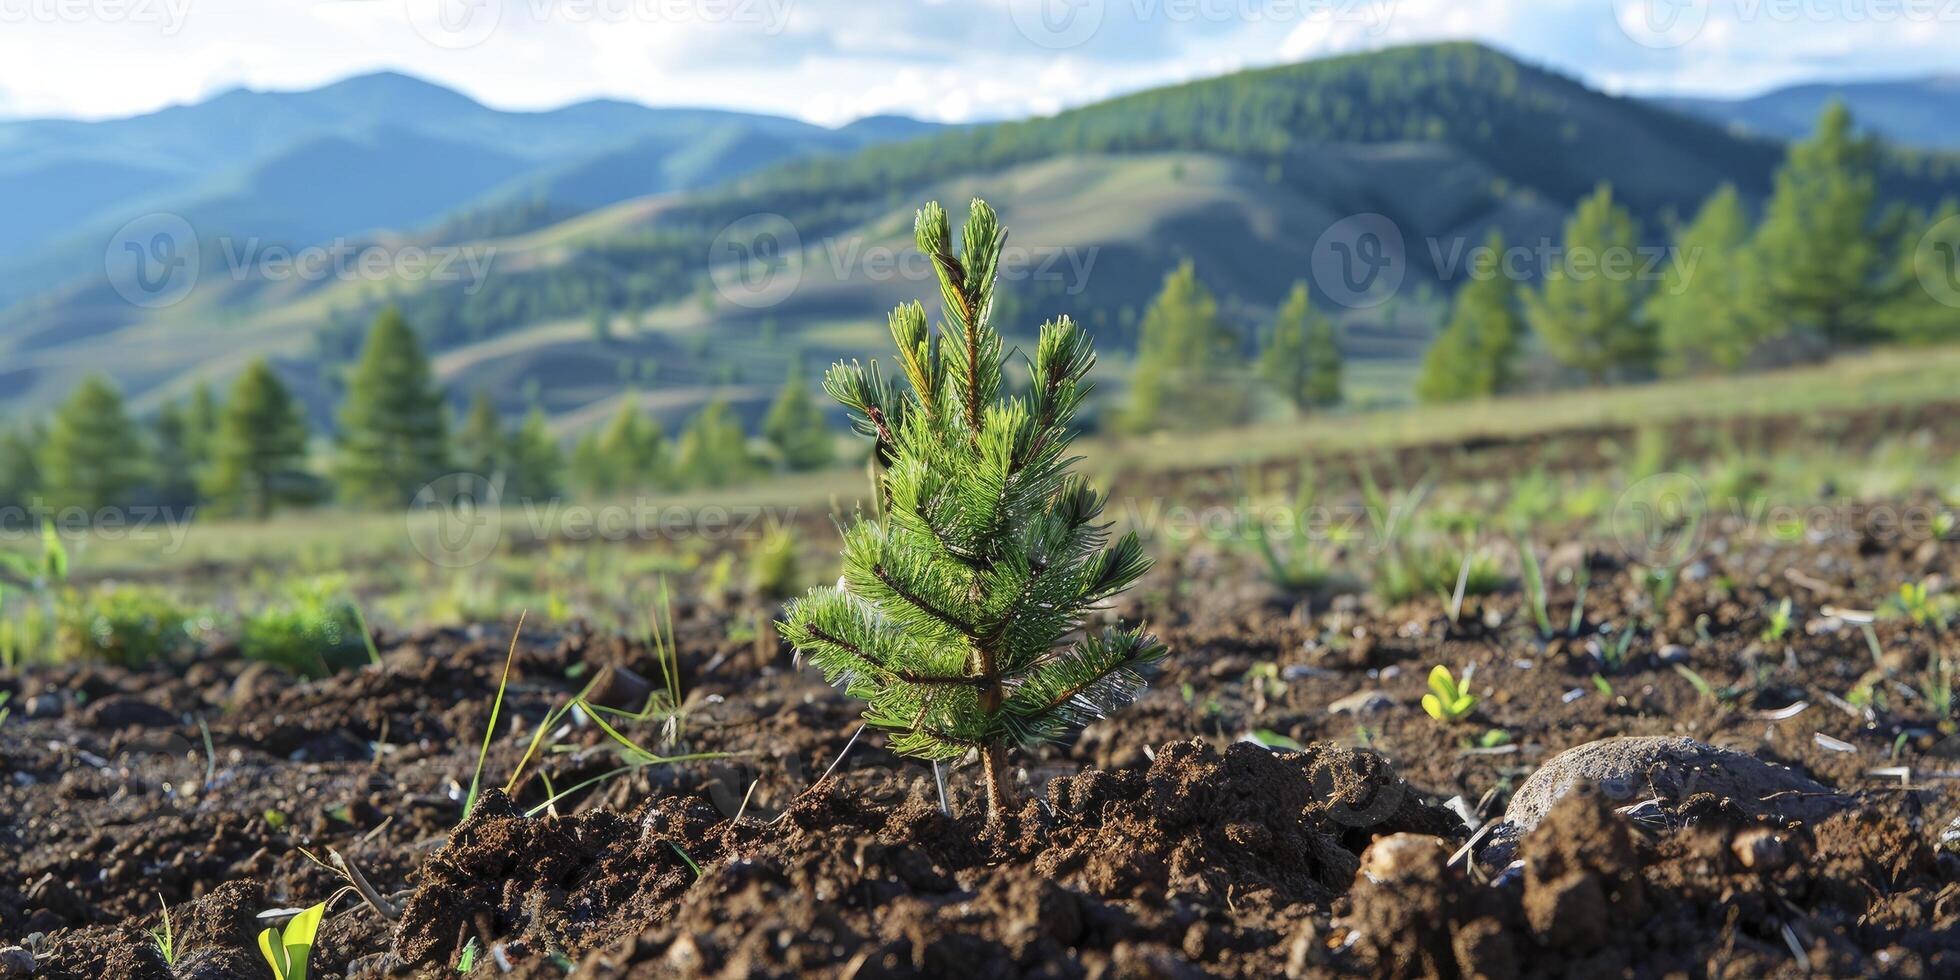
(958, 612)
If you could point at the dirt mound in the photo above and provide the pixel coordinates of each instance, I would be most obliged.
(1595, 896)
(1204, 855)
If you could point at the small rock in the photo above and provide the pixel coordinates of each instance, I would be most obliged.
(16, 962)
(620, 689)
(1404, 856)
(45, 706)
(1673, 653)
(119, 711)
(1761, 849)
(1362, 703)
(1673, 768)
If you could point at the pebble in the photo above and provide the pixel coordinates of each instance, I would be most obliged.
(45, 706)
(16, 962)
(1673, 653)
(1362, 703)
(1761, 849)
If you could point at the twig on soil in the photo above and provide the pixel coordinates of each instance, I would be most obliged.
(826, 773)
(356, 881)
(744, 808)
(210, 755)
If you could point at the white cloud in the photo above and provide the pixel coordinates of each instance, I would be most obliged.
(832, 60)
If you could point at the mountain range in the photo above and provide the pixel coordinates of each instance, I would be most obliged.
(618, 239)
(374, 153)
(1921, 112)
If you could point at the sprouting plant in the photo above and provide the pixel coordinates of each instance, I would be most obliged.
(490, 728)
(1698, 682)
(1917, 604)
(772, 565)
(288, 950)
(467, 962)
(163, 938)
(1446, 702)
(1603, 686)
(953, 606)
(1304, 563)
(1534, 587)
(1779, 622)
(1492, 738)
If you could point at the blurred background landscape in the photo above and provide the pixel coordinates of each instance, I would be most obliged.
(440, 271)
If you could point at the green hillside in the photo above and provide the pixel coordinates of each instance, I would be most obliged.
(1239, 174)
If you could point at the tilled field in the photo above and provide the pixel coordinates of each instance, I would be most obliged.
(1160, 843)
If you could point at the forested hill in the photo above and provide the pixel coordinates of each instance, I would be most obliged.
(1536, 129)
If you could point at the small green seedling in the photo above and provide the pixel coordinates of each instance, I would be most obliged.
(1779, 622)
(1603, 686)
(1446, 702)
(165, 940)
(1534, 587)
(1916, 604)
(288, 950)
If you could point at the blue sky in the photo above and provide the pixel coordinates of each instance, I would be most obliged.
(830, 61)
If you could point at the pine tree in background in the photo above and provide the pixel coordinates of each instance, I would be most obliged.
(629, 454)
(1475, 355)
(1592, 321)
(393, 433)
(1302, 359)
(714, 450)
(20, 465)
(480, 442)
(534, 460)
(94, 456)
(953, 607)
(259, 457)
(1815, 242)
(1180, 347)
(201, 424)
(179, 474)
(1708, 310)
(795, 426)
(1324, 363)
(1907, 310)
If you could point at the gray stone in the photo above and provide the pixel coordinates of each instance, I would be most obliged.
(1672, 768)
(16, 962)
(1362, 703)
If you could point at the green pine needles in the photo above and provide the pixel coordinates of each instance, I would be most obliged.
(957, 612)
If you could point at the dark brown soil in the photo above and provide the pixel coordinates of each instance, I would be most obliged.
(1157, 843)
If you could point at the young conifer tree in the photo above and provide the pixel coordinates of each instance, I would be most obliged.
(956, 614)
